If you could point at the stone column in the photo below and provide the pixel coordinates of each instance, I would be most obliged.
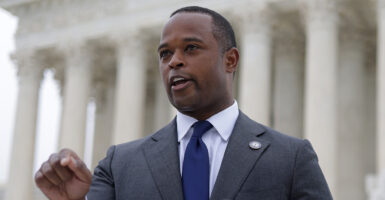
(376, 183)
(288, 83)
(164, 111)
(104, 99)
(255, 70)
(20, 184)
(352, 120)
(320, 122)
(381, 87)
(76, 96)
(130, 89)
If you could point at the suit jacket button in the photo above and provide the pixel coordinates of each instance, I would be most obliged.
(255, 145)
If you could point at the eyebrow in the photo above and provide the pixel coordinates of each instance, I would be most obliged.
(189, 39)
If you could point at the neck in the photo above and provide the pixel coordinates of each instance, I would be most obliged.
(207, 112)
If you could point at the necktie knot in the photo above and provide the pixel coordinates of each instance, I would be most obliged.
(201, 127)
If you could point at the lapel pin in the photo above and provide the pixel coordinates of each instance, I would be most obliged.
(255, 145)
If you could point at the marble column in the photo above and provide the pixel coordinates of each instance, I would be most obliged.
(255, 69)
(381, 87)
(20, 184)
(130, 89)
(76, 96)
(352, 121)
(104, 99)
(320, 119)
(288, 84)
(163, 107)
(376, 183)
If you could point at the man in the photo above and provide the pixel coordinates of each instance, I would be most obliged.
(210, 150)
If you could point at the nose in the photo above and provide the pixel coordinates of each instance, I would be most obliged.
(176, 60)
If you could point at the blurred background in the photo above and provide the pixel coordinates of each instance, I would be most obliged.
(83, 74)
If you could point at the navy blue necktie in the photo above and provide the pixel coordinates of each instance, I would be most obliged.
(196, 167)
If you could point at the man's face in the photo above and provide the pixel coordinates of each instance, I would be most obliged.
(192, 65)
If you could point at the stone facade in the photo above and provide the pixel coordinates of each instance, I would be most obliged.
(313, 69)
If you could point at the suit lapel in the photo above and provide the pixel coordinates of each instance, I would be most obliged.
(161, 152)
(239, 158)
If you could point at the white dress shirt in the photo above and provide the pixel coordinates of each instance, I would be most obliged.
(215, 139)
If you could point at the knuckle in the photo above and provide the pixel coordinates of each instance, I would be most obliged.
(82, 165)
(38, 177)
(46, 168)
(65, 152)
(54, 159)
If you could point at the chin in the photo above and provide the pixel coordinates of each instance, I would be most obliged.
(184, 106)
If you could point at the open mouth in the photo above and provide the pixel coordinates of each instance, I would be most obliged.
(179, 83)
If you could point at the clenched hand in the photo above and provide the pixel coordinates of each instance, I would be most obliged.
(64, 176)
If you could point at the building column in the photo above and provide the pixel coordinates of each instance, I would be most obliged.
(288, 84)
(376, 183)
(130, 93)
(76, 96)
(164, 111)
(255, 70)
(381, 88)
(320, 125)
(20, 183)
(104, 100)
(352, 121)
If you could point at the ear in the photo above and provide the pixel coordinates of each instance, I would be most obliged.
(231, 60)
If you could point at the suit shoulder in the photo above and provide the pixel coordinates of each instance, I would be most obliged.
(137, 145)
(278, 136)
(268, 133)
(278, 140)
(132, 145)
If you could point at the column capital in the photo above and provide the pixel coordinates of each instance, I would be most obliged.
(256, 17)
(75, 48)
(355, 35)
(288, 37)
(128, 45)
(132, 39)
(320, 12)
(360, 40)
(78, 56)
(100, 89)
(29, 64)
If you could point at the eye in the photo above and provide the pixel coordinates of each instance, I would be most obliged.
(164, 53)
(191, 47)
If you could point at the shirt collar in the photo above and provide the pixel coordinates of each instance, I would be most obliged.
(223, 122)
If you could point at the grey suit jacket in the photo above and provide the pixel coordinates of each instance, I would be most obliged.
(283, 168)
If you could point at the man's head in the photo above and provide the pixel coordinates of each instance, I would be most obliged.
(221, 28)
(197, 60)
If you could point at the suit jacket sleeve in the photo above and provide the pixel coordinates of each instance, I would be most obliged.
(103, 186)
(308, 181)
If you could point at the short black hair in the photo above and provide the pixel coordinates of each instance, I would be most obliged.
(222, 30)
